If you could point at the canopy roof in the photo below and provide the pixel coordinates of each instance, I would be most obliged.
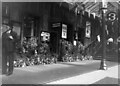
(93, 6)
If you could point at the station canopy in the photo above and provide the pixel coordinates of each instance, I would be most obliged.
(93, 6)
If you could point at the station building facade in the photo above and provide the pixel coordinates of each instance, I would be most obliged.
(30, 19)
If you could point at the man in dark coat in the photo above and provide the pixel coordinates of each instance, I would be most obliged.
(8, 49)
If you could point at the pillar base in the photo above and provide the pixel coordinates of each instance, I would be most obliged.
(103, 65)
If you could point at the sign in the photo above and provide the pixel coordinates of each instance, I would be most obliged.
(75, 42)
(98, 38)
(45, 36)
(64, 31)
(56, 25)
(88, 29)
(111, 16)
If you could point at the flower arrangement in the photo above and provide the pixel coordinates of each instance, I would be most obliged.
(30, 53)
(74, 53)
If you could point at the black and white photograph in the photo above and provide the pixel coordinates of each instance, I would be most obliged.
(60, 42)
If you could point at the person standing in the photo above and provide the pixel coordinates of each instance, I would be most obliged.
(8, 47)
(4, 57)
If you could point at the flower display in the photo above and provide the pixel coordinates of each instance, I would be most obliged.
(31, 53)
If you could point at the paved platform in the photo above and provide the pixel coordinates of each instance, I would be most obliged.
(52, 73)
(109, 76)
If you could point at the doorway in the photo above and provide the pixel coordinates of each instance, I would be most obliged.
(81, 35)
(54, 42)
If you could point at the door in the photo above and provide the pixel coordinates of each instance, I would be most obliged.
(54, 42)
